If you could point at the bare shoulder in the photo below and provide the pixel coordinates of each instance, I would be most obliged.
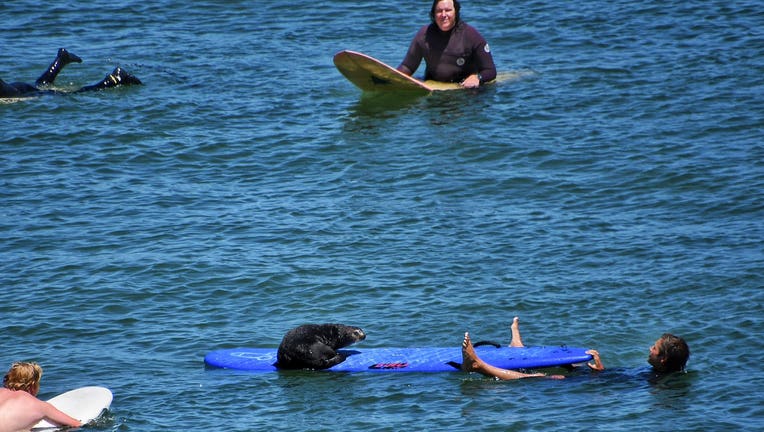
(18, 401)
(19, 397)
(7, 395)
(20, 410)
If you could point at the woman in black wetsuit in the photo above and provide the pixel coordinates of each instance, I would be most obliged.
(453, 50)
(19, 89)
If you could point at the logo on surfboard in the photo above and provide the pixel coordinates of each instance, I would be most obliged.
(396, 365)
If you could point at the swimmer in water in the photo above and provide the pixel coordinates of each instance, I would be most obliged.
(117, 77)
(19, 407)
(668, 354)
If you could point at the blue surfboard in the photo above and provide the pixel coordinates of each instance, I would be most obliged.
(426, 359)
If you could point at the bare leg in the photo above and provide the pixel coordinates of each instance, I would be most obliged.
(517, 341)
(472, 363)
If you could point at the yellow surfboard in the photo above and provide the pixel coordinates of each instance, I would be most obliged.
(372, 75)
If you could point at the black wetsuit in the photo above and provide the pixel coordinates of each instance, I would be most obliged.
(451, 56)
(20, 89)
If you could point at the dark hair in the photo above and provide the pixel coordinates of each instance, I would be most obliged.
(457, 8)
(675, 352)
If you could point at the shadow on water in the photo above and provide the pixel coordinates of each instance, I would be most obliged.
(384, 104)
(373, 112)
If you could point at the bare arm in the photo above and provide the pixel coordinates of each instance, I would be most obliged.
(597, 363)
(53, 415)
(20, 410)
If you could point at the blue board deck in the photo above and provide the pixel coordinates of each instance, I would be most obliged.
(427, 359)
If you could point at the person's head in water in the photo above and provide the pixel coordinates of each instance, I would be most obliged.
(445, 14)
(669, 354)
(23, 376)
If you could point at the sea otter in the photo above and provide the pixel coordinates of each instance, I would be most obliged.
(314, 346)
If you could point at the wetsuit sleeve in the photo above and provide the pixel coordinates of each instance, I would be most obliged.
(483, 58)
(413, 58)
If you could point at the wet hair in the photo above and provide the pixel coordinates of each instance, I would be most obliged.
(675, 352)
(457, 8)
(23, 376)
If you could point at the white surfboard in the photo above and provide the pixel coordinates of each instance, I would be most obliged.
(85, 404)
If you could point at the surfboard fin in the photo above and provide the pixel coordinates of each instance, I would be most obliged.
(481, 343)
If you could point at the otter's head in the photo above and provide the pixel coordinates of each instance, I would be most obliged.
(348, 335)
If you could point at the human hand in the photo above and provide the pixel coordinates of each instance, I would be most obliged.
(472, 81)
(597, 365)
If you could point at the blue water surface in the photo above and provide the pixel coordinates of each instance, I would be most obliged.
(611, 193)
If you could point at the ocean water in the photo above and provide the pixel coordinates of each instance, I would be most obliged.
(611, 193)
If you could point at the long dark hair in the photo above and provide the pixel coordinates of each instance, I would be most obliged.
(457, 8)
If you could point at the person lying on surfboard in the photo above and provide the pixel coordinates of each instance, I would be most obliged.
(668, 354)
(20, 89)
(453, 50)
(19, 407)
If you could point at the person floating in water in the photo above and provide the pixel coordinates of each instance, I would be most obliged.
(668, 354)
(453, 50)
(117, 77)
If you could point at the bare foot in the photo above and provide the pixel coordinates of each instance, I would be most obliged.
(517, 341)
(472, 363)
(469, 357)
